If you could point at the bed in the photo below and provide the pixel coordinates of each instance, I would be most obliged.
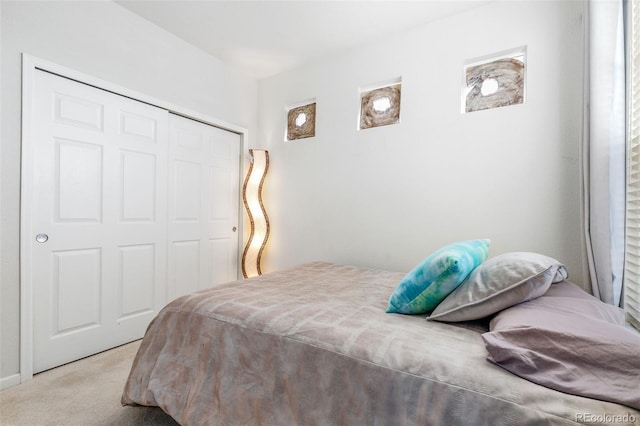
(313, 345)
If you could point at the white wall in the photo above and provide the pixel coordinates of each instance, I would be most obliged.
(104, 40)
(387, 197)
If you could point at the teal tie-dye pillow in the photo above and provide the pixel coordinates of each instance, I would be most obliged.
(434, 278)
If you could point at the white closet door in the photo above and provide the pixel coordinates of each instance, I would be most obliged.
(99, 172)
(204, 191)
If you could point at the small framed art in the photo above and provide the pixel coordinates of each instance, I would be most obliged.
(494, 81)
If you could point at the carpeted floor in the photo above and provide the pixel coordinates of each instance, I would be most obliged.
(82, 393)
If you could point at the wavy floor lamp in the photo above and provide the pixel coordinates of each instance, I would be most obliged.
(252, 198)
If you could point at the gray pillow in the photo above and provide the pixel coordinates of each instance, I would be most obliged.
(499, 283)
(578, 345)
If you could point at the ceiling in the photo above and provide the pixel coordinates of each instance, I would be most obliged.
(264, 38)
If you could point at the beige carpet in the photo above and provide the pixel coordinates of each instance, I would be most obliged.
(83, 393)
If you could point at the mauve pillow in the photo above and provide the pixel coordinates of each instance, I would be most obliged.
(500, 282)
(569, 341)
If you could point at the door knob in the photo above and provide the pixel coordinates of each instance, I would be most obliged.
(42, 238)
(234, 229)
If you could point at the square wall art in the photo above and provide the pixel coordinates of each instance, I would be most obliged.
(380, 106)
(494, 81)
(301, 122)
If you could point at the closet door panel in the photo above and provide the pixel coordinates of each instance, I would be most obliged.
(204, 194)
(99, 197)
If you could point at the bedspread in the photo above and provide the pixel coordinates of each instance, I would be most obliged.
(313, 346)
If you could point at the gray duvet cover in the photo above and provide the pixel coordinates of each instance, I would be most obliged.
(314, 346)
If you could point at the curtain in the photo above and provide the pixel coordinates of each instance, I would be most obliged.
(632, 248)
(603, 147)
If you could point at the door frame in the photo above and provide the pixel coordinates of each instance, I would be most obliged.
(31, 65)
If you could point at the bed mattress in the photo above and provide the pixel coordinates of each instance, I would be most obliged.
(313, 346)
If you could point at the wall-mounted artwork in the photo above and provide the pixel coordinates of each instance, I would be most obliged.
(301, 122)
(496, 81)
(380, 106)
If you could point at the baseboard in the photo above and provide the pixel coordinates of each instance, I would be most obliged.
(9, 381)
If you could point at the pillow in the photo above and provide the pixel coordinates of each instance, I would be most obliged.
(577, 345)
(563, 297)
(438, 275)
(499, 283)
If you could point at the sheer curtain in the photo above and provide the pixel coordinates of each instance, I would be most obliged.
(604, 135)
(632, 249)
